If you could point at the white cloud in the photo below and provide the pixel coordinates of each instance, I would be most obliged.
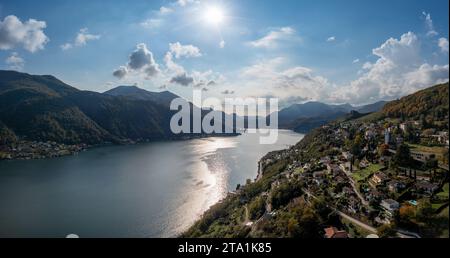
(398, 71)
(430, 26)
(187, 2)
(443, 44)
(30, 34)
(81, 39)
(180, 50)
(15, 62)
(272, 39)
(140, 61)
(269, 76)
(222, 44)
(165, 10)
(331, 39)
(152, 23)
(356, 61)
(367, 66)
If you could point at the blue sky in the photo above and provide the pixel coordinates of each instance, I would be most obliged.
(332, 51)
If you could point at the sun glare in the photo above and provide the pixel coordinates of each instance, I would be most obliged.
(214, 15)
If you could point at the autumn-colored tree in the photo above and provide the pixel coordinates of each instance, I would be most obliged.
(407, 212)
(383, 149)
(293, 227)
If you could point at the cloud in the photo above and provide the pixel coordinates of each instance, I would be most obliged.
(331, 39)
(171, 65)
(355, 61)
(222, 44)
(187, 2)
(81, 39)
(180, 50)
(140, 61)
(272, 39)
(443, 44)
(142, 58)
(165, 10)
(429, 24)
(398, 71)
(15, 62)
(182, 79)
(269, 76)
(30, 34)
(121, 72)
(152, 23)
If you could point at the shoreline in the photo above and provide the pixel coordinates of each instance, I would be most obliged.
(40, 150)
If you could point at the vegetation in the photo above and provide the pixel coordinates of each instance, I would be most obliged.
(362, 175)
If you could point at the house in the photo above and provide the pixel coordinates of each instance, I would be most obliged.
(390, 206)
(374, 196)
(325, 160)
(395, 186)
(333, 232)
(378, 179)
(426, 187)
(364, 164)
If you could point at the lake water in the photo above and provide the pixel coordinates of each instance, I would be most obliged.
(149, 190)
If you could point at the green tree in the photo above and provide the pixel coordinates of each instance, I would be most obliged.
(402, 157)
(257, 208)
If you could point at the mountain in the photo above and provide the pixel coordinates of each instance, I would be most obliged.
(134, 92)
(43, 108)
(431, 104)
(375, 107)
(304, 117)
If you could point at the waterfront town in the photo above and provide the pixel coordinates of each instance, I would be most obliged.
(381, 178)
(26, 150)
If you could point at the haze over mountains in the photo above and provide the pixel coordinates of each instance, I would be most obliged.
(304, 117)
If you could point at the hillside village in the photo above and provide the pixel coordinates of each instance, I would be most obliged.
(371, 176)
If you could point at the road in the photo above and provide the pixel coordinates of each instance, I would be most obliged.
(357, 222)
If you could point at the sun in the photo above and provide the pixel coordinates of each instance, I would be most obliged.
(214, 15)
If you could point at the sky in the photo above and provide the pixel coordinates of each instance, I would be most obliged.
(350, 51)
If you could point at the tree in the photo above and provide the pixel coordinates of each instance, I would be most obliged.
(407, 212)
(386, 231)
(424, 210)
(293, 227)
(402, 157)
(257, 208)
(383, 150)
(432, 164)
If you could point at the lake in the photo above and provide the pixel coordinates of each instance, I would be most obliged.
(148, 190)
